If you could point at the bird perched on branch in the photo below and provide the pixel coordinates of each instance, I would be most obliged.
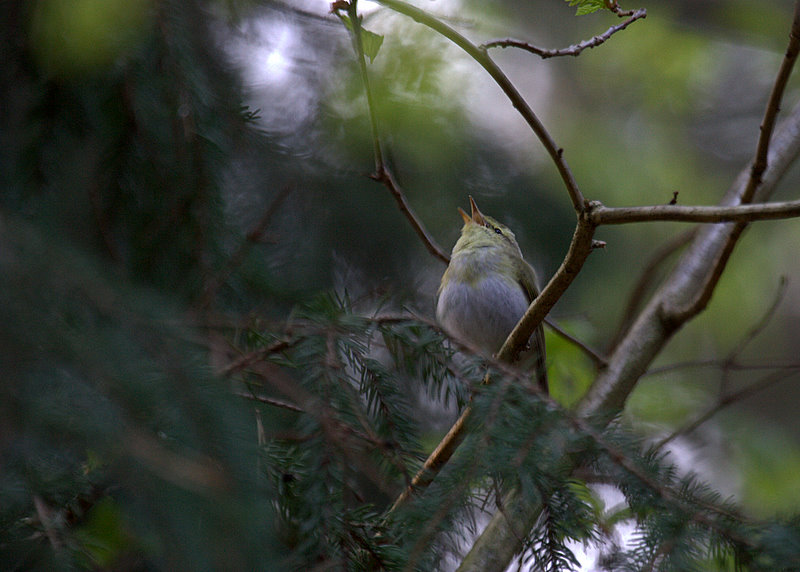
(486, 289)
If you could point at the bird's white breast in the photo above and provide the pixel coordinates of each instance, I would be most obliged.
(484, 312)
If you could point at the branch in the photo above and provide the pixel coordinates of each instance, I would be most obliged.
(689, 281)
(573, 50)
(252, 237)
(483, 59)
(773, 107)
(269, 401)
(384, 176)
(254, 357)
(597, 358)
(646, 277)
(730, 399)
(710, 214)
(731, 362)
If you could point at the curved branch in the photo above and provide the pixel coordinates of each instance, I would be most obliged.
(597, 358)
(384, 176)
(727, 400)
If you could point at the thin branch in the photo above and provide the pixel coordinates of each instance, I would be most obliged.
(436, 460)
(759, 327)
(358, 47)
(269, 401)
(573, 50)
(483, 59)
(730, 363)
(731, 398)
(598, 360)
(646, 278)
(708, 214)
(253, 236)
(720, 364)
(773, 107)
(384, 176)
(580, 248)
(755, 181)
(613, 5)
(254, 357)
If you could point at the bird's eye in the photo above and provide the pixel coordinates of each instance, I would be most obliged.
(498, 231)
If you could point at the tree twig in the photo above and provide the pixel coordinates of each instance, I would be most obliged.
(646, 278)
(731, 363)
(773, 107)
(598, 360)
(269, 401)
(759, 326)
(579, 249)
(573, 50)
(253, 236)
(729, 399)
(383, 175)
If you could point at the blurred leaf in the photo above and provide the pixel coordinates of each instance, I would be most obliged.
(587, 6)
(372, 43)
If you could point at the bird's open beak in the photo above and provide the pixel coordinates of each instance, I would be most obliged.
(477, 216)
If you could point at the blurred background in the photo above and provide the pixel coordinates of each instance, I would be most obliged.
(209, 160)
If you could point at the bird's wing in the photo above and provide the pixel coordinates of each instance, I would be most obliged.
(528, 283)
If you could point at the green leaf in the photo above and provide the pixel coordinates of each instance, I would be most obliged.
(372, 43)
(587, 6)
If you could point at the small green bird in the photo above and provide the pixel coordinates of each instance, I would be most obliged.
(487, 287)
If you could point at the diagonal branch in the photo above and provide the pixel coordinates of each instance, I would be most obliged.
(730, 399)
(646, 278)
(580, 248)
(597, 358)
(773, 107)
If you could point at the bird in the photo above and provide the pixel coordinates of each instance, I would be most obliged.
(486, 289)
